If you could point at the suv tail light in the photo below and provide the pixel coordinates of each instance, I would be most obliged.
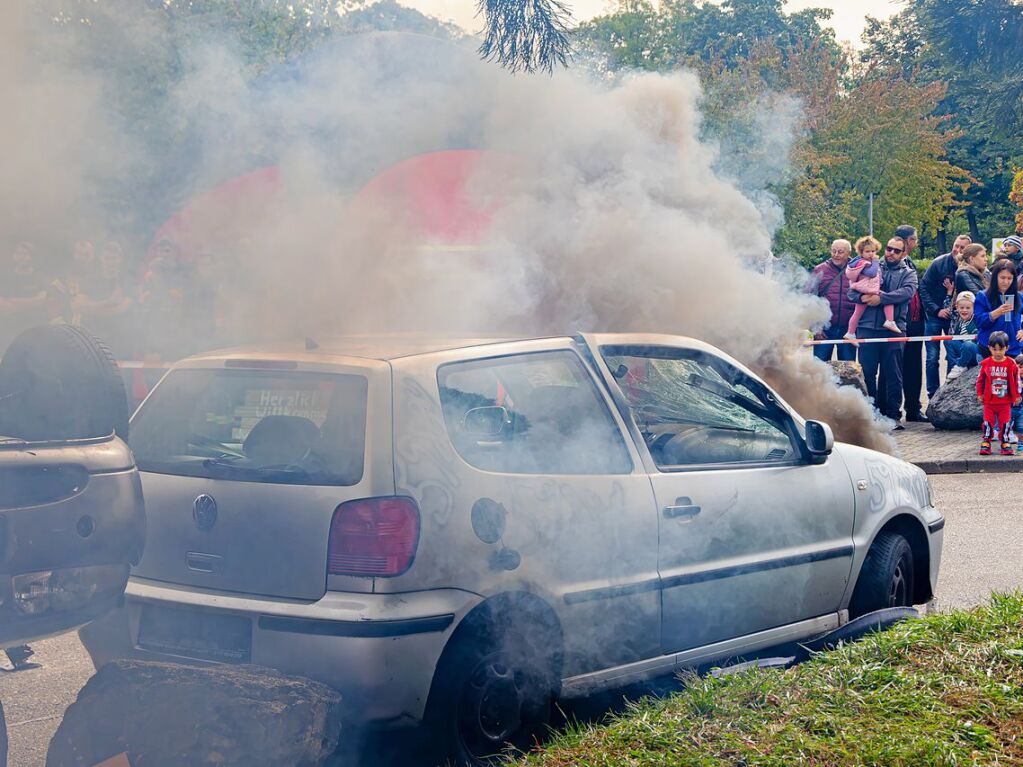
(373, 537)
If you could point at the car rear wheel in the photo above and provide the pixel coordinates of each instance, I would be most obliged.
(58, 382)
(492, 695)
(887, 577)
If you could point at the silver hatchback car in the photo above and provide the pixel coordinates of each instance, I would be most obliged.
(459, 531)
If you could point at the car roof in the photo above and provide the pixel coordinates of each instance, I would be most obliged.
(393, 346)
(377, 347)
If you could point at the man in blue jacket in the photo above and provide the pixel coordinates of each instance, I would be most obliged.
(898, 285)
(936, 293)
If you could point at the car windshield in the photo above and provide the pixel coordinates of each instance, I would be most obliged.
(687, 390)
(695, 409)
(254, 426)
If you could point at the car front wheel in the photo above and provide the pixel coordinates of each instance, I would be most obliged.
(887, 577)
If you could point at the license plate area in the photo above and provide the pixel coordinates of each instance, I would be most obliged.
(196, 634)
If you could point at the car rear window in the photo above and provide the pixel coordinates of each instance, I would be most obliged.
(254, 426)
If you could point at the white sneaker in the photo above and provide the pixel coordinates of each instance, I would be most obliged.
(1013, 438)
(955, 372)
(890, 325)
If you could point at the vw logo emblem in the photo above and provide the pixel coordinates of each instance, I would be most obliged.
(204, 511)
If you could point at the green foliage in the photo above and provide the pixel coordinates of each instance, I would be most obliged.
(642, 35)
(880, 124)
(943, 690)
(973, 48)
(1016, 198)
(882, 137)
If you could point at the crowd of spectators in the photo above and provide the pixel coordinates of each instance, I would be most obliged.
(159, 310)
(960, 293)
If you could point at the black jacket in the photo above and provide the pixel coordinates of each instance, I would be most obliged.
(967, 280)
(932, 289)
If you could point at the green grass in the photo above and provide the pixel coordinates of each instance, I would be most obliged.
(943, 690)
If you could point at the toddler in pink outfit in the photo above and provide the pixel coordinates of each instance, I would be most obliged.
(864, 274)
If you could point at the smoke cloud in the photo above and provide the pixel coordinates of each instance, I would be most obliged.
(605, 210)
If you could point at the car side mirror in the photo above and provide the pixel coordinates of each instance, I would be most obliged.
(485, 421)
(820, 440)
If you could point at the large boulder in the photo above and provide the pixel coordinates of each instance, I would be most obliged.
(167, 715)
(849, 374)
(954, 406)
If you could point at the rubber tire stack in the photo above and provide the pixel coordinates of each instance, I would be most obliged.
(59, 382)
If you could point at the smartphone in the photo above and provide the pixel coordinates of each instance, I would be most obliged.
(1009, 301)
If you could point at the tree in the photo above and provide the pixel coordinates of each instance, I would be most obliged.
(525, 35)
(972, 48)
(1016, 198)
(144, 53)
(684, 32)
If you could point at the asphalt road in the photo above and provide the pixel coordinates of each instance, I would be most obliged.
(983, 552)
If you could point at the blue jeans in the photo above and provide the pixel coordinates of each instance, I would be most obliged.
(934, 326)
(846, 352)
(965, 354)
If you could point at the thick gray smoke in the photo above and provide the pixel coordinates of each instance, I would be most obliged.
(607, 210)
(56, 136)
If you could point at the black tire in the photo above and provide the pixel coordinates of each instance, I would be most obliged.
(887, 577)
(3, 737)
(59, 382)
(493, 696)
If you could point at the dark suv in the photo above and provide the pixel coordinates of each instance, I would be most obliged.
(72, 519)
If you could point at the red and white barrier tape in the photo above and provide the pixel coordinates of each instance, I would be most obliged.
(892, 340)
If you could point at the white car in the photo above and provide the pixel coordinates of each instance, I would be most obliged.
(462, 530)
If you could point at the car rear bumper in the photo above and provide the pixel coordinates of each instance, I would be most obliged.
(64, 557)
(380, 651)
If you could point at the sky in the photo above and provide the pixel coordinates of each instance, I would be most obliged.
(847, 19)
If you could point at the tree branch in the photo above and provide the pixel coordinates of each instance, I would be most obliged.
(525, 35)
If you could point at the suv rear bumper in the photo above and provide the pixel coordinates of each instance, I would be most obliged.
(76, 543)
(379, 650)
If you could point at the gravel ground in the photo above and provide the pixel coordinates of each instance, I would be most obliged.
(983, 549)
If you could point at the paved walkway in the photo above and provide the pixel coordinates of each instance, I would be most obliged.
(950, 452)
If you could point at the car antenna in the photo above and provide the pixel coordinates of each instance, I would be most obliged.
(310, 344)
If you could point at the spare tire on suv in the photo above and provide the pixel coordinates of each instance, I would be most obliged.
(59, 382)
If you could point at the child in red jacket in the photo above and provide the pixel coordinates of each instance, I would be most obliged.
(998, 390)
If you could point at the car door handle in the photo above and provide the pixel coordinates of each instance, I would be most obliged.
(683, 509)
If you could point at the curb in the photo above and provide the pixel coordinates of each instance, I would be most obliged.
(971, 466)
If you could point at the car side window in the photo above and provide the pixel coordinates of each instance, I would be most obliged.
(695, 409)
(531, 414)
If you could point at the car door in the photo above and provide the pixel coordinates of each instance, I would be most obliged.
(529, 483)
(753, 533)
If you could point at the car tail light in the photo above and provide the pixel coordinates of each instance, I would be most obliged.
(373, 537)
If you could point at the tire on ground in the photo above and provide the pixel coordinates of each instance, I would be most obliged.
(3, 738)
(493, 691)
(59, 382)
(887, 576)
